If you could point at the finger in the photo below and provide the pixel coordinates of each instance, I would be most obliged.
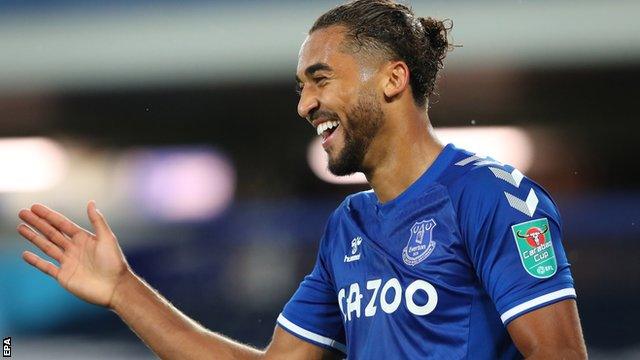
(43, 244)
(51, 233)
(42, 265)
(56, 219)
(98, 221)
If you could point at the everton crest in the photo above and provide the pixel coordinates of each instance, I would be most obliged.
(420, 244)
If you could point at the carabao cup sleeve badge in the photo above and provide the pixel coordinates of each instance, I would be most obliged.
(535, 247)
(420, 244)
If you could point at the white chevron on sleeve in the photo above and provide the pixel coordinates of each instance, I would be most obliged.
(478, 160)
(468, 160)
(514, 178)
(487, 162)
(528, 206)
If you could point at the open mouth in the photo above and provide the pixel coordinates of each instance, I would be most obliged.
(326, 129)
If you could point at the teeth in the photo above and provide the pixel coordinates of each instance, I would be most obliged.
(326, 126)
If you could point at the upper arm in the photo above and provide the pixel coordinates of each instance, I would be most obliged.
(514, 239)
(286, 346)
(552, 331)
(513, 235)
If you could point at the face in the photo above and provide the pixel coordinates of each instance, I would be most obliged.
(338, 98)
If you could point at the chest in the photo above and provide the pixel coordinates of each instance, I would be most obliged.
(399, 260)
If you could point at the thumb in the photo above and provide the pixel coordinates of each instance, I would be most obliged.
(98, 221)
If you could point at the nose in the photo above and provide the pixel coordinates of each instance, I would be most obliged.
(308, 103)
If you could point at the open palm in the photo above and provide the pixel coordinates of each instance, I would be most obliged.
(90, 266)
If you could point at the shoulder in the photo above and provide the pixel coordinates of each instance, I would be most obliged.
(487, 183)
(486, 193)
(356, 202)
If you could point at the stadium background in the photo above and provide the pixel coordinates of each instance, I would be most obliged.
(179, 118)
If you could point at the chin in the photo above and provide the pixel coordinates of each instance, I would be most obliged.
(341, 172)
(342, 167)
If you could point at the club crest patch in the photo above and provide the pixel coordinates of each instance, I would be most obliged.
(420, 244)
(535, 248)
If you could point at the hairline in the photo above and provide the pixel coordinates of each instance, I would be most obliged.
(364, 50)
(352, 45)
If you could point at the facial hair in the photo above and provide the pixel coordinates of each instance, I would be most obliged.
(364, 120)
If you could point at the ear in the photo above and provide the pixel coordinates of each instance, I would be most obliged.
(396, 79)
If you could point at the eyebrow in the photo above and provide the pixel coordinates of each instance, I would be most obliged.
(309, 71)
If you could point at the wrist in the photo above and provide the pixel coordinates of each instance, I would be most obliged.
(124, 288)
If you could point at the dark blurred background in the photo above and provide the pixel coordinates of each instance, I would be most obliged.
(179, 118)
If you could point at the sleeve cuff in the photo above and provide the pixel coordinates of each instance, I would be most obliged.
(536, 303)
(309, 336)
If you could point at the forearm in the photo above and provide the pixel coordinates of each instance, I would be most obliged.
(564, 354)
(168, 332)
(550, 332)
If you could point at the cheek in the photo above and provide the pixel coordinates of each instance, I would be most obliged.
(339, 103)
(350, 96)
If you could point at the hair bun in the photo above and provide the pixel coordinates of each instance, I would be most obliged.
(436, 33)
(391, 31)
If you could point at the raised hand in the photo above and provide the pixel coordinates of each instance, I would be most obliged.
(90, 266)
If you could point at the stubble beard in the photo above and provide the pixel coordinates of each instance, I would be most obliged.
(365, 121)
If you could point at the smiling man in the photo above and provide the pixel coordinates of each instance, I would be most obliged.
(450, 255)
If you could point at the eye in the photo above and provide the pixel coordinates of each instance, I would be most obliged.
(320, 80)
(298, 88)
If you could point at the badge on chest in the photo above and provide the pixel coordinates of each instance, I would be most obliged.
(420, 244)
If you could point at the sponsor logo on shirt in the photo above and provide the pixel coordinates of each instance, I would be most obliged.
(420, 298)
(420, 244)
(355, 248)
(535, 248)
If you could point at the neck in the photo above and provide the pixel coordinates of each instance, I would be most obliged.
(402, 152)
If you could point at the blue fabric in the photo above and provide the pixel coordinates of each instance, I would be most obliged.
(429, 274)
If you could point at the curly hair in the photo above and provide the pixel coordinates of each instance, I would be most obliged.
(393, 31)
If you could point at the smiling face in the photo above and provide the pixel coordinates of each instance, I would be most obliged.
(338, 97)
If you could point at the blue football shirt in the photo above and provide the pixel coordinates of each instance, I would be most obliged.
(439, 271)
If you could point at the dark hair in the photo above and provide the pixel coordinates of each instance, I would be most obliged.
(394, 30)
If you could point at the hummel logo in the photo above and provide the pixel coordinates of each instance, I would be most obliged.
(354, 250)
(514, 178)
(527, 206)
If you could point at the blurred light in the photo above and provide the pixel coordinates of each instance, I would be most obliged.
(183, 184)
(31, 164)
(255, 288)
(77, 47)
(509, 145)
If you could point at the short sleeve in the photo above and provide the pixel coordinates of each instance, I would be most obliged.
(513, 234)
(313, 313)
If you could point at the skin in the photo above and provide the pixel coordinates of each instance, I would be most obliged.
(339, 90)
(93, 267)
